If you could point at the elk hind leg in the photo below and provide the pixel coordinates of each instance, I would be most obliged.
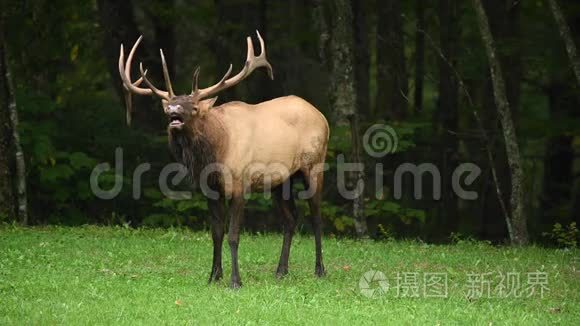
(217, 211)
(313, 180)
(236, 214)
(286, 208)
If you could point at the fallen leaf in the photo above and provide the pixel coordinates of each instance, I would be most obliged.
(346, 268)
(178, 302)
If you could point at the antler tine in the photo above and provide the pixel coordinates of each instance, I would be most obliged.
(127, 67)
(166, 75)
(252, 62)
(228, 73)
(139, 81)
(250, 54)
(262, 45)
(155, 90)
(133, 87)
(121, 62)
(125, 73)
(195, 81)
(201, 93)
(263, 56)
(126, 81)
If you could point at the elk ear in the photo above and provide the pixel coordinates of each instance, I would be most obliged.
(205, 105)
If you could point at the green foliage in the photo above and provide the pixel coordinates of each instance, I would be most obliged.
(386, 233)
(460, 238)
(564, 236)
(172, 212)
(70, 119)
(340, 141)
(381, 211)
(405, 132)
(384, 208)
(259, 203)
(62, 177)
(337, 216)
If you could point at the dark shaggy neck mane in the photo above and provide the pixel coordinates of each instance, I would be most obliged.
(203, 142)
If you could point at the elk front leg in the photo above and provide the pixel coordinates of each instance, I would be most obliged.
(216, 208)
(236, 214)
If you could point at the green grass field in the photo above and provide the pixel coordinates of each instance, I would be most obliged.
(101, 275)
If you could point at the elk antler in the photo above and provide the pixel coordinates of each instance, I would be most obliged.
(252, 62)
(125, 72)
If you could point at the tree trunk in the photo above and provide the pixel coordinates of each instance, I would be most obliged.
(20, 163)
(391, 71)
(9, 96)
(504, 23)
(335, 27)
(567, 37)
(341, 61)
(419, 55)
(357, 178)
(362, 55)
(447, 107)
(8, 207)
(518, 217)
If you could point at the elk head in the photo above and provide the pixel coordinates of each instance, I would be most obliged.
(181, 109)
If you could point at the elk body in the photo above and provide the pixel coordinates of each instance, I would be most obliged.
(236, 148)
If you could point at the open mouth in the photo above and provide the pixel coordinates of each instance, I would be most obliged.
(175, 121)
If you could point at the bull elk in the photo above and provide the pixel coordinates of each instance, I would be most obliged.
(279, 140)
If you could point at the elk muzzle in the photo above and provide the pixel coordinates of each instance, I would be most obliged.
(176, 115)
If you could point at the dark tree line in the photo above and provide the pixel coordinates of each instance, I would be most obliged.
(480, 82)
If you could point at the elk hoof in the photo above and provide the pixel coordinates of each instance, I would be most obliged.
(319, 271)
(215, 275)
(281, 272)
(235, 285)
